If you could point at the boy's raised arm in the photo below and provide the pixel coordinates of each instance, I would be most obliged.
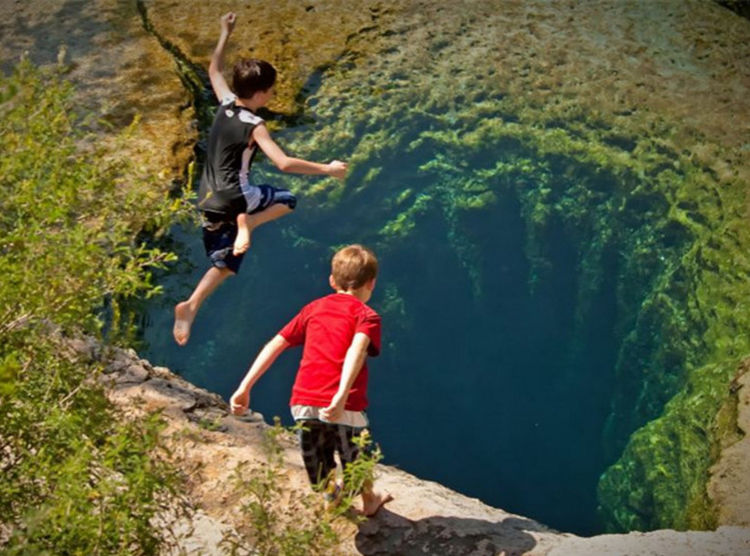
(240, 400)
(355, 357)
(219, 84)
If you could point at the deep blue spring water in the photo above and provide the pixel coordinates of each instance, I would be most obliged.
(501, 395)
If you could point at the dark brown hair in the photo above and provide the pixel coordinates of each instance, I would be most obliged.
(353, 266)
(251, 75)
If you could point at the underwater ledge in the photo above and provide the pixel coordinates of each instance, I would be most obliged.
(424, 518)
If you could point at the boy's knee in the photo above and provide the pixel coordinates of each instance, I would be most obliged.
(291, 201)
(222, 270)
(286, 198)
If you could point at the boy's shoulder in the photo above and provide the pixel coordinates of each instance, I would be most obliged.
(369, 311)
(348, 303)
(229, 108)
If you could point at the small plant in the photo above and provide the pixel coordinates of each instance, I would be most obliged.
(360, 474)
(210, 424)
(282, 525)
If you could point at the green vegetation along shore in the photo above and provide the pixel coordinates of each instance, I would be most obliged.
(77, 478)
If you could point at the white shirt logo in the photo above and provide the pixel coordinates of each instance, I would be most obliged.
(229, 113)
(249, 118)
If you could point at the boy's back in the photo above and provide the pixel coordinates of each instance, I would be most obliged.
(329, 395)
(326, 327)
(228, 160)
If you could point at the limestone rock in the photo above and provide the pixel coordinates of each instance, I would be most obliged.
(722, 542)
(730, 476)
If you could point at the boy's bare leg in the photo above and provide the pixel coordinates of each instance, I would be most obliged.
(373, 500)
(185, 311)
(246, 223)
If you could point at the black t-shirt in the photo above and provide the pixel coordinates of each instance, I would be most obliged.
(228, 159)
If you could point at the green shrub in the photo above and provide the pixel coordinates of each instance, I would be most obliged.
(288, 524)
(77, 478)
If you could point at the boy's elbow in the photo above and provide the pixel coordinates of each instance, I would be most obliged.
(284, 164)
(214, 71)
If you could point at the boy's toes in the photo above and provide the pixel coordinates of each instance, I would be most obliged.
(241, 246)
(374, 502)
(242, 241)
(182, 321)
(181, 332)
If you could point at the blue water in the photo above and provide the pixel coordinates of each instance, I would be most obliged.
(501, 394)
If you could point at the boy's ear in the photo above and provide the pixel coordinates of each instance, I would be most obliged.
(371, 284)
(332, 282)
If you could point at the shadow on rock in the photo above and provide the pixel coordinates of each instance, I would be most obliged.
(73, 23)
(393, 534)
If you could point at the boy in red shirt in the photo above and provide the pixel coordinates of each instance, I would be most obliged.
(330, 391)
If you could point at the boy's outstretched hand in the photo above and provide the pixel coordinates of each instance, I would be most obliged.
(227, 22)
(337, 169)
(239, 402)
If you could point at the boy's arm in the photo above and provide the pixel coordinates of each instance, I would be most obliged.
(355, 357)
(219, 84)
(285, 163)
(240, 400)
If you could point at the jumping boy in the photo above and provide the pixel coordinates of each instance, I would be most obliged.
(329, 394)
(230, 206)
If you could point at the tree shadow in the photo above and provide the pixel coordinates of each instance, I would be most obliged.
(73, 23)
(392, 534)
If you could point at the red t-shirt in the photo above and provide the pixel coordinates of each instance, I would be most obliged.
(326, 327)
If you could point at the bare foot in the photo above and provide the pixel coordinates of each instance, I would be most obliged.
(183, 319)
(242, 241)
(372, 501)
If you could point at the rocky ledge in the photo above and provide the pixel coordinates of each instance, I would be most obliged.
(209, 444)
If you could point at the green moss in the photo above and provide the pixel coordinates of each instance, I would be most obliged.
(662, 475)
(405, 222)
(678, 326)
(403, 196)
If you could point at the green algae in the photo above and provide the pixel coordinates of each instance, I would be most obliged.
(405, 222)
(660, 480)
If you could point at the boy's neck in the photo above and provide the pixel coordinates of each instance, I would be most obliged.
(363, 294)
(248, 103)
